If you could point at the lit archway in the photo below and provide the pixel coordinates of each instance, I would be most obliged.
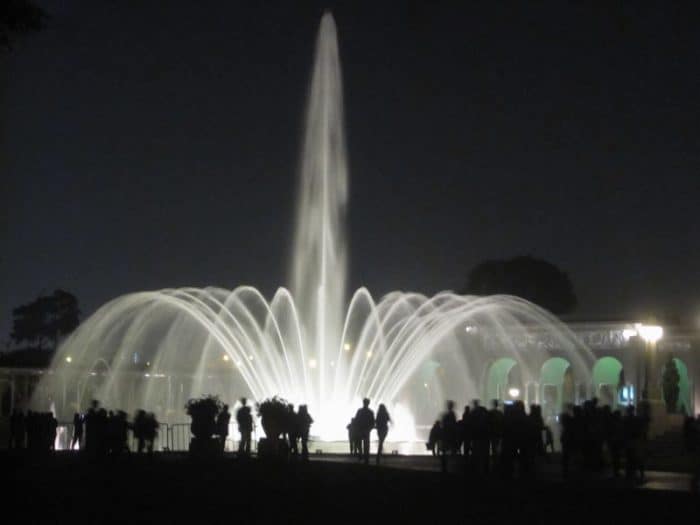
(557, 383)
(606, 378)
(684, 395)
(498, 380)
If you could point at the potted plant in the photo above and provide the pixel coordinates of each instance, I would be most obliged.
(203, 411)
(273, 414)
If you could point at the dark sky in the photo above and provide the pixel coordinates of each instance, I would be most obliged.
(155, 144)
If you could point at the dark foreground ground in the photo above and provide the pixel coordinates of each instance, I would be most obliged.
(172, 489)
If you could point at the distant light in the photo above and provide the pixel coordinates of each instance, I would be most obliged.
(69, 359)
(650, 333)
(514, 392)
(250, 357)
(148, 363)
(332, 363)
(347, 347)
(369, 354)
(226, 357)
(425, 385)
(469, 328)
(239, 363)
(312, 363)
(146, 375)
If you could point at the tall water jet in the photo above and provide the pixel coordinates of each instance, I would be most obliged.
(319, 266)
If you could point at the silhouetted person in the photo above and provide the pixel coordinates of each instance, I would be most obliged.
(353, 438)
(222, 422)
(139, 430)
(633, 434)
(449, 433)
(91, 427)
(304, 422)
(434, 438)
(364, 420)
(479, 428)
(121, 437)
(465, 434)
(77, 431)
(151, 431)
(291, 428)
(382, 425)
(616, 441)
(245, 427)
(18, 429)
(495, 430)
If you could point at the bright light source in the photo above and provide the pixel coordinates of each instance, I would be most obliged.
(627, 333)
(148, 363)
(347, 347)
(239, 363)
(514, 392)
(469, 328)
(650, 333)
(69, 359)
(425, 385)
(146, 375)
(369, 354)
(250, 357)
(226, 357)
(312, 363)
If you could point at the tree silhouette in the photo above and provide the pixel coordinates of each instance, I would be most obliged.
(18, 16)
(45, 319)
(533, 279)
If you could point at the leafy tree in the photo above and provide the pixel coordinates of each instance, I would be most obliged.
(45, 319)
(671, 379)
(18, 16)
(533, 279)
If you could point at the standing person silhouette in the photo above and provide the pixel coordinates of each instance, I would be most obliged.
(77, 430)
(222, 422)
(448, 424)
(304, 421)
(382, 424)
(364, 420)
(245, 427)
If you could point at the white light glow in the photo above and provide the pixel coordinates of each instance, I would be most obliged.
(69, 359)
(650, 333)
(514, 392)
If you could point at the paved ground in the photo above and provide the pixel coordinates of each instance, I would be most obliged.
(172, 488)
(656, 480)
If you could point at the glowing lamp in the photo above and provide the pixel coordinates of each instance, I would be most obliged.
(514, 392)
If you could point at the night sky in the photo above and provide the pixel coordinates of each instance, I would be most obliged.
(155, 144)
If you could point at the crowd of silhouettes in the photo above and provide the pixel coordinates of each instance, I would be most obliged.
(35, 431)
(504, 439)
(510, 440)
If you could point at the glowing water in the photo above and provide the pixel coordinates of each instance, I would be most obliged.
(156, 349)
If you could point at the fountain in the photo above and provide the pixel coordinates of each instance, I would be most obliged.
(309, 343)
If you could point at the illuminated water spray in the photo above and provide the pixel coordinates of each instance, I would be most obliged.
(311, 345)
